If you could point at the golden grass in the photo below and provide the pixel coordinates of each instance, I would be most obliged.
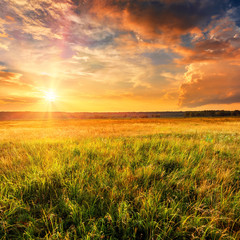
(73, 129)
(120, 179)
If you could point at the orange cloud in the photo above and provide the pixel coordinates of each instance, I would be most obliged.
(211, 83)
(166, 20)
(120, 49)
(19, 99)
(222, 42)
(209, 50)
(9, 77)
(9, 18)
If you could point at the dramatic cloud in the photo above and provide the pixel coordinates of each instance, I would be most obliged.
(167, 20)
(113, 55)
(221, 42)
(212, 83)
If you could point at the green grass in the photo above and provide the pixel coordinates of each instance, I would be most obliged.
(172, 184)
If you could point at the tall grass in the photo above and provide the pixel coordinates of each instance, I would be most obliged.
(179, 180)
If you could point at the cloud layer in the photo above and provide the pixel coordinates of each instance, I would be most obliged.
(120, 54)
(211, 83)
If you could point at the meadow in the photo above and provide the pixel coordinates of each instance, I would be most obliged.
(120, 179)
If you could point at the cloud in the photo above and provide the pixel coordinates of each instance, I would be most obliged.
(35, 19)
(3, 46)
(166, 20)
(121, 49)
(209, 50)
(19, 99)
(222, 41)
(15, 82)
(212, 83)
(9, 77)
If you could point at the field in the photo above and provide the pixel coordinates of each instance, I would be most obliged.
(120, 179)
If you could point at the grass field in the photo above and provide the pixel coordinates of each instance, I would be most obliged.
(120, 179)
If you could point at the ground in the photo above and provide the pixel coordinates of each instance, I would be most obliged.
(120, 179)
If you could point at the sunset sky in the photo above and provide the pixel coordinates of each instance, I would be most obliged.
(122, 55)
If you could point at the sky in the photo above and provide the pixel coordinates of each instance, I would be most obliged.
(119, 55)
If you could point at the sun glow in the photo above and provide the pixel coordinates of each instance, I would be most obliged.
(50, 96)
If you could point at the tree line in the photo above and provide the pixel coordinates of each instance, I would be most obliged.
(212, 113)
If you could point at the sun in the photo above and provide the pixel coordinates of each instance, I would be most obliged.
(50, 96)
